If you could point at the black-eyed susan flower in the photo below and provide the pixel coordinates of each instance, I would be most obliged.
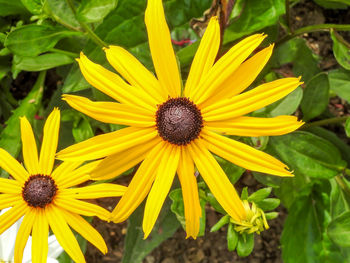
(44, 198)
(171, 128)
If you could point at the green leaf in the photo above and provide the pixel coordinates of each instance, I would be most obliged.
(136, 248)
(245, 245)
(95, 11)
(42, 62)
(60, 11)
(223, 221)
(13, 7)
(339, 81)
(11, 134)
(347, 127)
(271, 215)
(82, 130)
(339, 230)
(268, 204)
(339, 200)
(232, 238)
(333, 4)
(340, 50)
(255, 16)
(315, 99)
(260, 195)
(232, 171)
(308, 154)
(34, 6)
(32, 40)
(215, 204)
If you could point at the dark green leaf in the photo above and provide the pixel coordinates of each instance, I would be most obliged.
(260, 195)
(339, 230)
(13, 7)
(315, 99)
(136, 248)
(42, 62)
(245, 245)
(95, 11)
(223, 221)
(339, 81)
(232, 238)
(32, 40)
(307, 154)
(255, 16)
(340, 50)
(60, 11)
(333, 4)
(340, 200)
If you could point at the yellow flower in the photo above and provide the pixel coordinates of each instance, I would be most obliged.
(171, 128)
(44, 197)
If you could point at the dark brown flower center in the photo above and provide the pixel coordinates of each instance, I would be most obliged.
(179, 121)
(39, 190)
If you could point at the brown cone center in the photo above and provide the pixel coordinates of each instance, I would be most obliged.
(39, 190)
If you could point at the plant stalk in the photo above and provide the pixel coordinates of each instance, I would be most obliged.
(324, 122)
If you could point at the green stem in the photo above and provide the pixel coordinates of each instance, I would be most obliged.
(288, 16)
(340, 181)
(313, 28)
(71, 54)
(324, 122)
(86, 28)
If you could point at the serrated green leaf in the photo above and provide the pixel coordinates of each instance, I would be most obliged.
(245, 245)
(340, 50)
(95, 11)
(339, 230)
(308, 154)
(315, 98)
(260, 195)
(13, 7)
(32, 40)
(339, 81)
(42, 62)
(232, 238)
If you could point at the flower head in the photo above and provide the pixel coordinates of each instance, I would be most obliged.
(172, 129)
(43, 197)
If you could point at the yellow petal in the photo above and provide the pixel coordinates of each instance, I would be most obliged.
(23, 234)
(29, 149)
(94, 191)
(81, 207)
(112, 112)
(204, 58)
(40, 234)
(225, 66)
(190, 196)
(139, 185)
(251, 126)
(80, 225)
(162, 52)
(242, 77)
(113, 85)
(12, 166)
(116, 164)
(12, 215)
(217, 180)
(107, 144)
(8, 200)
(50, 140)
(134, 72)
(244, 155)
(9, 186)
(64, 168)
(63, 233)
(161, 186)
(251, 100)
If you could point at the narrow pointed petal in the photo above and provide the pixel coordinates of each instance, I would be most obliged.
(115, 164)
(225, 67)
(65, 168)
(23, 234)
(63, 233)
(40, 234)
(78, 176)
(134, 72)
(12, 215)
(107, 144)
(29, 149)
(254, 127)
(139, 185)
(161, 186)
(190, 195)
(8, 200)
(94, 191)
(242, 78)
(113, 85)
(217, 180)
(12, 166)
(112, 112)
(81, 207)
(162, 51)
(244, 155)
(50, 141)
(205, 57)
(9, 186)
(251, 100)
(80, 225)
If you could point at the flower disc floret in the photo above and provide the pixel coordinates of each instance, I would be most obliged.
(179, 121)
(39, 190)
